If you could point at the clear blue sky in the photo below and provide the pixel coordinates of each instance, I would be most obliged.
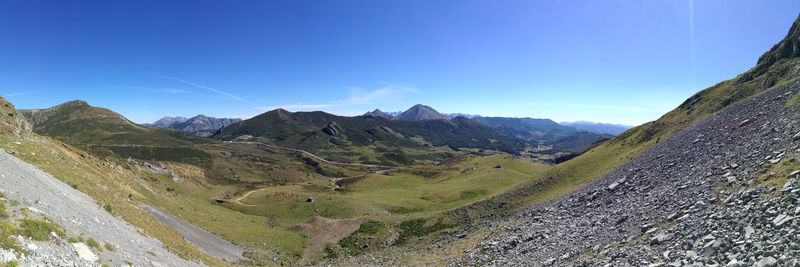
(624, 61)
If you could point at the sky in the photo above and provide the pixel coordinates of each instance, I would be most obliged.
(614, 61)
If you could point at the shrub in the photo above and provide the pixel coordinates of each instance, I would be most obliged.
(109, 247)
(39, 229)
(93, 243)
(6, 232)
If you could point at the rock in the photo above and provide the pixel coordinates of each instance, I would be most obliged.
(658, 239)
(31, 246)
(744, 122)
(766, 262)
(613, 185)
(781, 219)
(796, 136)
(7, 255)
(84, 252)
(310, 199)
(748, 232)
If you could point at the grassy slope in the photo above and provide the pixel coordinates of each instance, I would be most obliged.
(112, 185)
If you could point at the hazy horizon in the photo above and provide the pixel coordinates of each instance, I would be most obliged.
(622, 62)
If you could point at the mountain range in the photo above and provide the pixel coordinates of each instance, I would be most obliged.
(199, 125)
(595, 127)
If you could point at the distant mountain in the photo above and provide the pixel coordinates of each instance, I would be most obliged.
(165, 122)
(601, 128)
(319, 130)
(545, 131)
(420, 113)
(379, 113)
(200, 125)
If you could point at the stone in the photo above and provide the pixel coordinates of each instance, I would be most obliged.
(781, 220)
(658, 239)
(796, 136)
(84, 252)
(748, 232)
(766, 262)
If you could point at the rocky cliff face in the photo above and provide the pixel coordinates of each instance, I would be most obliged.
(11, 121)
(165, 122)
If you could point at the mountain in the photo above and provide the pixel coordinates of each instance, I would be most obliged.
(104, 132)
(319, 130)
(199, 125)
(420, 113)
(379, 113)
(545, 131)
(166, 122)
(600, 128)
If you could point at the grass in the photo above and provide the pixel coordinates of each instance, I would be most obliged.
(38, 229)
(94, 244)
(7, 233)
(400, 192)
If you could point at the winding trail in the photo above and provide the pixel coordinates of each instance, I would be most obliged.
(383, 169)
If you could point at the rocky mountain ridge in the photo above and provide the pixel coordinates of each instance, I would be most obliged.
(200, 125)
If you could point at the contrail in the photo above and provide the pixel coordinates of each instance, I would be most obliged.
(213, 90)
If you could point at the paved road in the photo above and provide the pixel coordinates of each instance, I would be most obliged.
(204, 240)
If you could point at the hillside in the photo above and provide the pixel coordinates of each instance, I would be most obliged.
(105, 132)
(199, 125)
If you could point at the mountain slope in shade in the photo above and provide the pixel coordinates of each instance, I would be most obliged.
(312, 131)
(420, 113)
(601, 128)
(200, 125)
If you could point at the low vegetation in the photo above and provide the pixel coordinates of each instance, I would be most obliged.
(39, 229)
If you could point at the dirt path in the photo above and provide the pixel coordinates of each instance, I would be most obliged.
(321, 231)
(204, 240)
(80, 214)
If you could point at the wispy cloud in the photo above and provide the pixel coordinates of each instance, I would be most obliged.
(389, 92)
(356, 96)
(15, 94)
(207, 88)
(171, 91)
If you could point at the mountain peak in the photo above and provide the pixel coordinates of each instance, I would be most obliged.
(421, 112)
(788, 47)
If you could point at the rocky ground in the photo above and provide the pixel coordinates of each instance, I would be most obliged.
(697, 199)
(44, 196)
